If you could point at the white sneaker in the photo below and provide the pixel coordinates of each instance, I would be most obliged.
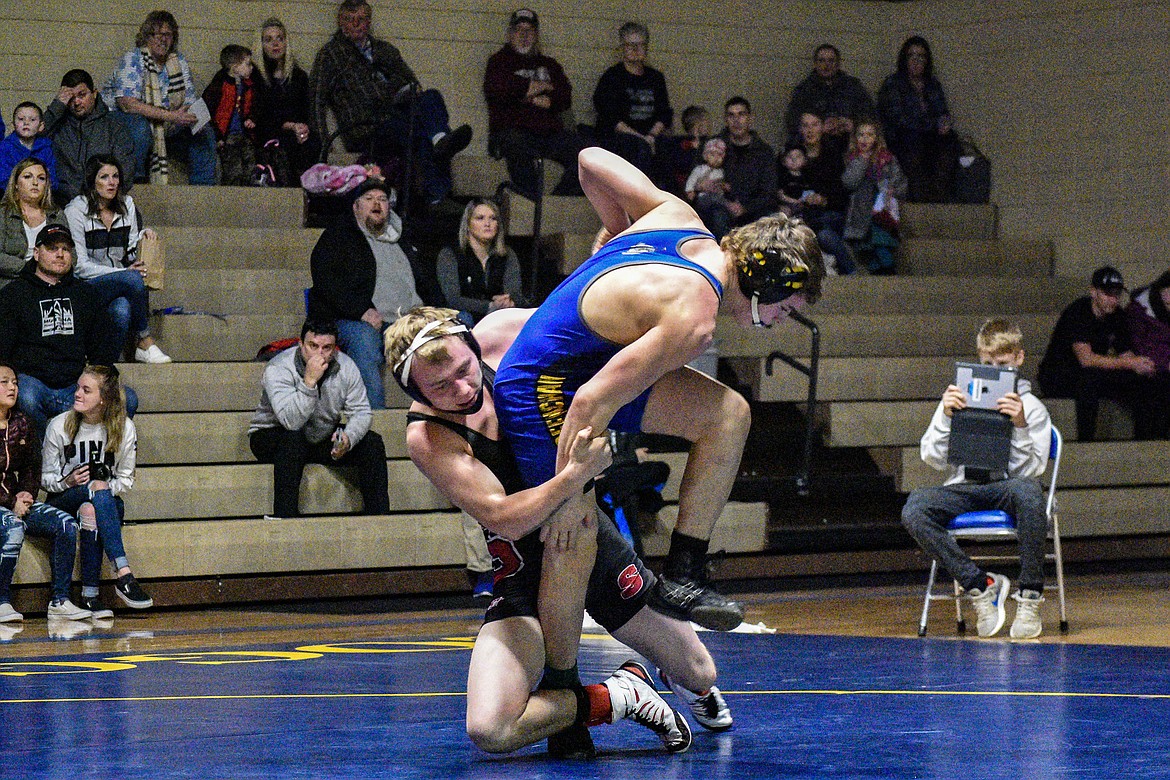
(710, 709)
(8, 614)
(989, 605)
(151, 354)
(67, 610)
(632, 696)
(1027, 624)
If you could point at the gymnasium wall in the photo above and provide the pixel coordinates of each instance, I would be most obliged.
(1069, 99)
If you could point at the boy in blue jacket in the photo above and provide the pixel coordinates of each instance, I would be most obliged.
(25, 141)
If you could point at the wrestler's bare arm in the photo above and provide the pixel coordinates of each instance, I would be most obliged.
(625, 198)
(445, 458)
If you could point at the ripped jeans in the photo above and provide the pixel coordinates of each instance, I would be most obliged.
(41, 520)
(110, 511)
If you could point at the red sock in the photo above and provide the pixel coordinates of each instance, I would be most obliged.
(600, 709)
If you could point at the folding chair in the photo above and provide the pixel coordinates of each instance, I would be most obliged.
(998, 526)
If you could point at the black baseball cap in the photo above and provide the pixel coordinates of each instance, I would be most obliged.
(54, 234)
(524, 15)
(372, 184)
(1108, 279)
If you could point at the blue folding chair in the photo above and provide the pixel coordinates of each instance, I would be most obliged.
(995, 525)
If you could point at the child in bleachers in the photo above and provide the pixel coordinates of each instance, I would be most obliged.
(792, 184)
(680, 154)
(24, 141)
(705, 185)
(871, 170)
(229, 98)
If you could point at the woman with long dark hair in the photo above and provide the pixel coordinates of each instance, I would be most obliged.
(106, 228)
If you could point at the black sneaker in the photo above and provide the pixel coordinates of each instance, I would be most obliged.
(132, 594)
(452, 143)
(94, 605)
(574, 743)
(689, 600)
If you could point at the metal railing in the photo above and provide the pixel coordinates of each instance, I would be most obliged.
(810, 370)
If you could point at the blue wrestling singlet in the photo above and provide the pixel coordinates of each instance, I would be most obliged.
(556, 352)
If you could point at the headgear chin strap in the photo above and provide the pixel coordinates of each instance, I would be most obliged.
(427, 334)
(768, 276)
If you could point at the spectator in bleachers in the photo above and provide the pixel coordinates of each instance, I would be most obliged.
(749, 170)
(284, 137)
(705, 185)
(26, 140)
(482, 274)
(823, 207)
(51, 326)
(527, 93)
(230, 98)
(791, 184)
(367, 84)
(632, 104)
(314, 410)
(89, 459)
(27, 206)
(106, 227)
(21, 514)
(871, 170)
(918, 124)
(363, 276)
(153, 89)
(1148, 315)
(81, 125)
(838, 98)
(1090, 357)
(679, 154)
(928, 511)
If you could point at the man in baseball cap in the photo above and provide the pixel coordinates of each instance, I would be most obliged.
(1089, 358)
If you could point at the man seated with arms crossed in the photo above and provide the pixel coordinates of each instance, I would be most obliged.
(453, 437)
(929, 511)
(608, 349)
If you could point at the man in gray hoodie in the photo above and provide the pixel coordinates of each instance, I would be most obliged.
(314, 409)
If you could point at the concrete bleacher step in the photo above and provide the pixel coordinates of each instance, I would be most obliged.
(566, 251)
(179, 549)
(949, 220)
(976, 257)
(559, 214)
(231, 207)
(232, 337)
(889, 335)
(234, 291)
(197, 248)
(1083, 464)
(851, 378)
(194, 387)
(173, 438)
(901, 423)
(932, 295)
(477, 176)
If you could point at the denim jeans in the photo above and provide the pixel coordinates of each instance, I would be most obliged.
(363, 343)
(198, 149)
(928, 511)
(430, 119)
(830, 227)
(126, 300)
(42, 403)
(110, 512)
(41, 520)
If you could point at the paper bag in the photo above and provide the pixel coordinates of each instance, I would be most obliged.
(152, 255)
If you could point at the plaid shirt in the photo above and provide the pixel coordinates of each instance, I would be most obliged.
(357, 89)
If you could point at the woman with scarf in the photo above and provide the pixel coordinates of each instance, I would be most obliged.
(154, 90)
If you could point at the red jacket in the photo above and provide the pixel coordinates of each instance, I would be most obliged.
(505, 85)
(220, 97)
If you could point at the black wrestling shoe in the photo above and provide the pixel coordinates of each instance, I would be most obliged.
(574, 743)
(690, 600)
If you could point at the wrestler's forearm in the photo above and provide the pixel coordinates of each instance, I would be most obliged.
(620, 193)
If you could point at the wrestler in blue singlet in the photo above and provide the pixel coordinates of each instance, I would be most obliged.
(556, 352)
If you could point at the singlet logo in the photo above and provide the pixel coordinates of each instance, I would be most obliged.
(56, 317)
(506, 559)
(638, 249)
(550, 400)
(630, 582)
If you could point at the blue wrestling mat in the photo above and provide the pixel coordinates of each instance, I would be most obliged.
(804, 707)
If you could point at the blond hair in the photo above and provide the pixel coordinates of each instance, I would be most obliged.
(113, 407)
(792, 238)
(999, 336)
(11, 199)
(402, 333)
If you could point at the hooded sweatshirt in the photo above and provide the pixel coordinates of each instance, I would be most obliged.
(76, 140)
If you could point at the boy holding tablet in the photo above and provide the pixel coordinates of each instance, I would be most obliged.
(928, 511)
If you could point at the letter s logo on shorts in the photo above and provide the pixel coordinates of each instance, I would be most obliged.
(630, 582)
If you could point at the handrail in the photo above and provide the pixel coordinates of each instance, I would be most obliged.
(804, 477)
(537, 216)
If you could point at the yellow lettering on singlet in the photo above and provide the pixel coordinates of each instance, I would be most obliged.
(550, 400)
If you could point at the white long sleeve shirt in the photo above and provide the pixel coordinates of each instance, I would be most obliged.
(60, 456)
